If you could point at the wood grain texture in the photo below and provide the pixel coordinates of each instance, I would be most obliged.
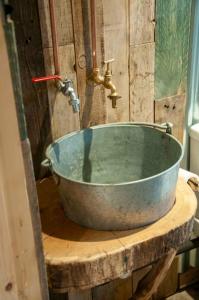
(15, 73)
(31, 63)
(81, 258)
(8, 281)
(63, 16)
(63, 119)
(92, 97)
(35, 216)
(119, 289)
(139, 275)
(14, 198)
(80, 295)
(142, 83)
(116, 45)
(169, 285)
(150, 283)
(172, 110)
(171, 45)
(142, 23)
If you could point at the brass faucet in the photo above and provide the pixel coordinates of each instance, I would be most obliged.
(106, 81)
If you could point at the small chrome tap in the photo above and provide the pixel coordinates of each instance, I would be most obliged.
(66, 87)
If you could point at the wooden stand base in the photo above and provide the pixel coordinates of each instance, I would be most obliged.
(78, 258)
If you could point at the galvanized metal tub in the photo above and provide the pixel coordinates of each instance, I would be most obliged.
(116, 176)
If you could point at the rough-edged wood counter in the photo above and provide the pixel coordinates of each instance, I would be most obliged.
(81, 258)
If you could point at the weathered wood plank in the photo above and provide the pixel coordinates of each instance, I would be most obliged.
(172, 44)
(116, 45)
(169, 285)
(93, 100)
(150, 283)
(142, 23)
(57, 296)
(142, 83)
(139, 275)
(35, 215)
(119, 289)
(8, 281)
(63, 119)
(63, 16)
(172, 110)
(31, 63)
(81, 295)
(15, 199)
(189, 277)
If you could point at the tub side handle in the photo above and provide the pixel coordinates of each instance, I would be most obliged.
(47, 163)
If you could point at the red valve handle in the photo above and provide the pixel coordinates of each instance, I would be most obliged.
(45, 78)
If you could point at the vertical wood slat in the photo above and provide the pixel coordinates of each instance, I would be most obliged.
(81, 295)
(119, 289)
(14, 196)
(141, 62)
(63, 119)
(172, 109)
(63, 23)
(116, 45)
(142, 83)
(31, 63)
(92, 97)
(172, 45)
(8, 281)
(142, 14)
(27, 158)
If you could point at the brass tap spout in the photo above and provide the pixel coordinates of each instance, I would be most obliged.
(96, 77)
(108, 84)
(106, 81)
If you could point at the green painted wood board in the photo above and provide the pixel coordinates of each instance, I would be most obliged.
(172, 36)
(15, 74)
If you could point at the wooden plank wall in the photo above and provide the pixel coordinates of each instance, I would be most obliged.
(171, 61)
(19, 276)
(149, 41)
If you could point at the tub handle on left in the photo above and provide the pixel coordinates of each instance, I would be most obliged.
(48, 164)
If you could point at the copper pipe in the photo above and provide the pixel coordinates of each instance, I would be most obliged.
(54, 36)
(93, 33)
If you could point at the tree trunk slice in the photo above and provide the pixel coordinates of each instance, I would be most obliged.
(81, 258)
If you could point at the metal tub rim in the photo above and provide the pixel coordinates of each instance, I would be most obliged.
(51, 166)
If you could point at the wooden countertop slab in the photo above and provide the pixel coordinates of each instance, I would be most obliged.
(80, 258)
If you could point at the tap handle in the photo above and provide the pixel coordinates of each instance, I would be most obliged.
(108, 62)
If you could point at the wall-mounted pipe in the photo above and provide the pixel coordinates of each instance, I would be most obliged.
(105, 80)
(93, 33)
(65, 86)
(54, 36)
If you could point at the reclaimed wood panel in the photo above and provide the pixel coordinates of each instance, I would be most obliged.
(31, 63)
(92, 97)
(169, 285)
(64, 25)
(142, 23)
(14, 201)
(142, 83)
(116, 45)
(119, 289)
(172, 109)
(63, 119)
(171, 45)
(80, 295)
